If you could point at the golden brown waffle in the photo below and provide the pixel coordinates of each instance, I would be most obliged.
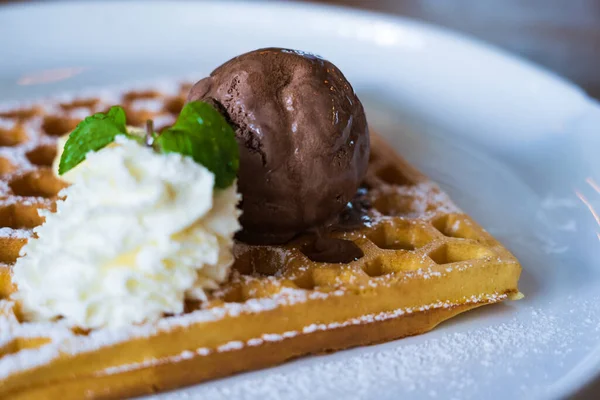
(424, 262)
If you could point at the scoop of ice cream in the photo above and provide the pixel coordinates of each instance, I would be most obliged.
(303, 138)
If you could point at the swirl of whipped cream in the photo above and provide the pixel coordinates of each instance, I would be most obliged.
(137, 233)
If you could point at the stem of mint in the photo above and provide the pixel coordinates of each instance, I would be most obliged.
(149, 140)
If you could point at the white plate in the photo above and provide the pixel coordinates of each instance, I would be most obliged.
(516, 147)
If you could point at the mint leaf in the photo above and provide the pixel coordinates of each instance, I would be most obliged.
(202, 133)
(117, 115)
(92, 134)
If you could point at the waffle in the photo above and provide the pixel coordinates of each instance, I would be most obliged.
(424, 262)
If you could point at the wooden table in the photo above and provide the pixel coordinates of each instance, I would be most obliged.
(562, 35)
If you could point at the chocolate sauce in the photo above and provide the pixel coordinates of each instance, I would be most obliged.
(341, 251)
(355, 215)
(332, 250)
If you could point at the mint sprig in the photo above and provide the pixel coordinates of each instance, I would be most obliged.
(200, 132)
(92, 134)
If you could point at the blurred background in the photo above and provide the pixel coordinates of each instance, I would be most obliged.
(562, 35)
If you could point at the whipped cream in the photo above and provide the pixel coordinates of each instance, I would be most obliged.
(137, 234)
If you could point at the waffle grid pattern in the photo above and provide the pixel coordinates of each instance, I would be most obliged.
(420, 253)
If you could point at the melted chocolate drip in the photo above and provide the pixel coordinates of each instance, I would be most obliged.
(355, 214)
(332, 250)
(341, 251)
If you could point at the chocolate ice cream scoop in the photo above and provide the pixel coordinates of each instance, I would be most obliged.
(303, 138)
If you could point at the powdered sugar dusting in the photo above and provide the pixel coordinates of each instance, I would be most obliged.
(65, 342)
(235, 345)
(272, 337)
(15, 233)
(72, 344)
(7, 124)
(154, 105)
(447, 363)
(428, 198)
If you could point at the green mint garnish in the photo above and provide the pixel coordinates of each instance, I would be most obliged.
(202, 133)
(92, 134)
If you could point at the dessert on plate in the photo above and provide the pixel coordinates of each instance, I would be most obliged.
(158, 238)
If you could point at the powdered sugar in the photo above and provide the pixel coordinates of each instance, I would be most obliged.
(447, 363)
(7, 124)
(455, 226)
(15, 233)
(64, 342)
(79, 112)
(153, 105)
(272, 337)
(235, 345)
(427, 199)
(203, 351)
(14, 157)
(72, 344)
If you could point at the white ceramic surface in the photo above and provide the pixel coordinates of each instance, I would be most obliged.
(514, 145)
